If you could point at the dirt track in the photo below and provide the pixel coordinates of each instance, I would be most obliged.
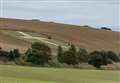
(45, 40)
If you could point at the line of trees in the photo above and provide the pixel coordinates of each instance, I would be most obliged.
(95, 58)
(105, 28)
(41, 54)
(13, 55)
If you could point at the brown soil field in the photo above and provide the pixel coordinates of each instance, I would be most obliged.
(82, 36)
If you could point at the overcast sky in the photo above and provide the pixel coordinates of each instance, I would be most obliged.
(81, 12)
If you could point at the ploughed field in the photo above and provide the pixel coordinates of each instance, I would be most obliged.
(19, 74)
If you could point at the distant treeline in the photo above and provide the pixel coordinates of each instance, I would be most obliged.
(40, 54)
(105, 28)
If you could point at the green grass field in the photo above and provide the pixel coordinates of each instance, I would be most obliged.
(18, 74)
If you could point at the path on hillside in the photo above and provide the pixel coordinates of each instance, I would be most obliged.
(45, 40)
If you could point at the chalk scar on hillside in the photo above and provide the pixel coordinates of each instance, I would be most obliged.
(27, 36)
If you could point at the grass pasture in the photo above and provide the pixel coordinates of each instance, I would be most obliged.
(18, 74)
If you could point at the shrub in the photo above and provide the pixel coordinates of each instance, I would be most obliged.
(85, 26)
(73, 49)
(105, 28)
(13, 54)
(69, 57)
(49, 37)
(60, 53)
(95, 59)
(39, 54)
(113, 56)
(82, 55)
(3, 55)
(106, 60)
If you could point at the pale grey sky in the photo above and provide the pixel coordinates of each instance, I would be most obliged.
(81, 12)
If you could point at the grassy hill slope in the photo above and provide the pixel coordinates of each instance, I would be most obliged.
(82, 36)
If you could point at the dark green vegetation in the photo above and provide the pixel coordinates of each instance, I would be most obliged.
(41, 55)
(105, 28)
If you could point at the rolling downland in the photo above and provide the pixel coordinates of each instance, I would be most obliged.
(86, 37)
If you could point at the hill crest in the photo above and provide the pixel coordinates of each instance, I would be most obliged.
(82, 36)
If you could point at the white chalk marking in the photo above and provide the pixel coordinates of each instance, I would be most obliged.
(27, 36)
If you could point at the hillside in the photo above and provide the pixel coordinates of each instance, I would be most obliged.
(82, 36)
